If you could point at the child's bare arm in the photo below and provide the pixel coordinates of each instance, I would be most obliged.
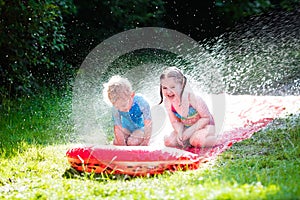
(176, 124)
(120, 136)
(147, 132)
(201, 107)
(178, 127)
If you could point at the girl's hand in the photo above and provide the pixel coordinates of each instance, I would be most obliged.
(180, 139)
(187, 134)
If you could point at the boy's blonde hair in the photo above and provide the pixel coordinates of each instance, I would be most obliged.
(117, 87)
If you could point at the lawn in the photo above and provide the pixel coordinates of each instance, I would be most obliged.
(36, 133)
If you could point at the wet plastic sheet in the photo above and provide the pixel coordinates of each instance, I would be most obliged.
(245, 115)
(131, 160)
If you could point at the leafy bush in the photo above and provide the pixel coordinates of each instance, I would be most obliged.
(32, 38)
(244, 8)
(97, 20)
(136, 13)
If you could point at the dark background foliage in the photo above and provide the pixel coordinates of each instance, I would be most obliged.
(44, 42)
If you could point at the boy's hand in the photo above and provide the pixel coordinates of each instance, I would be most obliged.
(137, 138)
(145, 142)
(121, 136)
(147, 133)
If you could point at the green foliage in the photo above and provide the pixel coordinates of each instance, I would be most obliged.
(243, 8)
(289, 4)
(131, 14)
(32, 38)
(44, 42)
(97, 20)
(236, 10)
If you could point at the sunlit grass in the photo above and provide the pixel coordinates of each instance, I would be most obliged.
(35, 136)
(39, 120)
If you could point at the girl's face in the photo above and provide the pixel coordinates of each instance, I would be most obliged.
(124, 103)
(171, 89)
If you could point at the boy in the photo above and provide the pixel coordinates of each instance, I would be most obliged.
(131, 113)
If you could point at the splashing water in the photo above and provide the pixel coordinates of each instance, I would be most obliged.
(261, 59)
(262, 56)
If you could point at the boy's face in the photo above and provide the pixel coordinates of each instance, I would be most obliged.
(124, 103)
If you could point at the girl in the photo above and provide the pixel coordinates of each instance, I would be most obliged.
(131, 113)
(191, 120)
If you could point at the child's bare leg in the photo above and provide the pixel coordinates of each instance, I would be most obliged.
(211, 137)
(198, 138)
(171, 140)
(205, 137)
(136, 138)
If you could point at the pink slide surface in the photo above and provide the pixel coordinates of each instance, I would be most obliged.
(245, 115)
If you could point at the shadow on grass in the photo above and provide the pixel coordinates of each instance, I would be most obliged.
(72, 173)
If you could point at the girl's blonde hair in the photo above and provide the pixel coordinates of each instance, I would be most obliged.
(116, 88)
(173, 72)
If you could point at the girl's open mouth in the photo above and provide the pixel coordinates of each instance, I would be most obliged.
(171, 97)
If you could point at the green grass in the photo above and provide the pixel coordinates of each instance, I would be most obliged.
(39, 120)
(35, 134)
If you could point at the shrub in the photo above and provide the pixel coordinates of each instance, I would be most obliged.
(32, 38)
